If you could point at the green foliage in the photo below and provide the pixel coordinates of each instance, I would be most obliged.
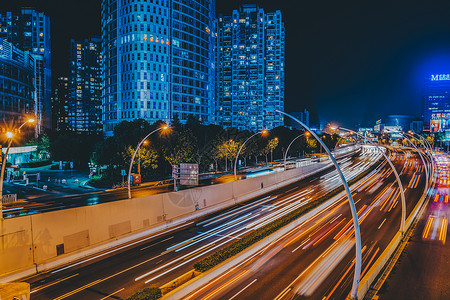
(259, 234)
(180, 147)
(148, 157)
(147, 294)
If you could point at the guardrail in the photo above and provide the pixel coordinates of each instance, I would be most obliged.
(9, 198)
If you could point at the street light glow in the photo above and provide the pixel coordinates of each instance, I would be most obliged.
(9, 135)
(31, 121)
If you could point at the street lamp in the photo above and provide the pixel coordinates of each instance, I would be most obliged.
(357, 274)
(285, 154)
(429, 148)
(420, 154)
(402, 194)
(134, 155)
(9, 135)
(263, 132)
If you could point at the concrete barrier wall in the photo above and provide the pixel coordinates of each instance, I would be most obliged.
(38, 242)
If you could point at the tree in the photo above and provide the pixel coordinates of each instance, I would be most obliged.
(271, 145)
(311, 143)
(43, 146)
(228, 150)
(180, 148)
(148, 159)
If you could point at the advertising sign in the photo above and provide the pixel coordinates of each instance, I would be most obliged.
(189, 174)
(435, 126)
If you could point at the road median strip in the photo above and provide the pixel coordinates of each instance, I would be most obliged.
(253, 237)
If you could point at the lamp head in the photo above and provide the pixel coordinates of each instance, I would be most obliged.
(264, 132)
(31, 120)
(9, 135)
(333, 127)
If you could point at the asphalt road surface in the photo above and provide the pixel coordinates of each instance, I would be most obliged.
(316, 260)
(423, 269)
(156, 260)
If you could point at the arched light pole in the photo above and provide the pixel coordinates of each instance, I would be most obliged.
(9, 135)
(404, 134)
(134, 155)
(402, 194)
(285, 154)
(240, 148)
(357, 274)
(429, 148)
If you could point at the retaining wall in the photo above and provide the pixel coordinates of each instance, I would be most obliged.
(39, 242)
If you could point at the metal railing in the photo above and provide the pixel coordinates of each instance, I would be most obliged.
(9, 198)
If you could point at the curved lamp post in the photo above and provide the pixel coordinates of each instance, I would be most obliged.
(240, 148)
(134, 155)
(402, 194)
(9, 135)
(424, 144)
(404, 134)
(357, 274)
(285, 154)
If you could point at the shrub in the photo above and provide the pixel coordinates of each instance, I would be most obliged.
(147, 294)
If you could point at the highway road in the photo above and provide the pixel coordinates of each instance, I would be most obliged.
(158, 259)
(316, 260)
(425, 262)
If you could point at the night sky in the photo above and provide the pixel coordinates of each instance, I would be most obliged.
(352, 62)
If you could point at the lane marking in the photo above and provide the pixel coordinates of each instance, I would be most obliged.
(232, 280)
(113, 294)
(53, 283)
(120, 248)
(243, 289)
(382, 223)
(101, 280)
(156, 243)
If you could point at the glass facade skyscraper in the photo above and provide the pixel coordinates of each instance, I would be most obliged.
(158, 60)
(250, 68)
(29, 30)
(17, 85)
(84, 86)
(436, 103)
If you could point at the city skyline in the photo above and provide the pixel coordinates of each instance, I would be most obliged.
(336, 56)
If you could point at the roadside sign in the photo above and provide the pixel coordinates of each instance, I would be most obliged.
(123, 173)
(38, 176)
(71, 164)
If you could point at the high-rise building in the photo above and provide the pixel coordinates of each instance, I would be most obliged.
(158, 60)
(17, 85)
(84, 112)
(29, 30)
(60, 105)
(303, 116)
(250, 68)
(436, 103)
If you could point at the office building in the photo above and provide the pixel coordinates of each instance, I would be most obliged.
(436, 103)
(84, 112)
(29, 30)
(250, 68)
(17, 85)
(60, 105)
(302, 116)
(158, 60)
